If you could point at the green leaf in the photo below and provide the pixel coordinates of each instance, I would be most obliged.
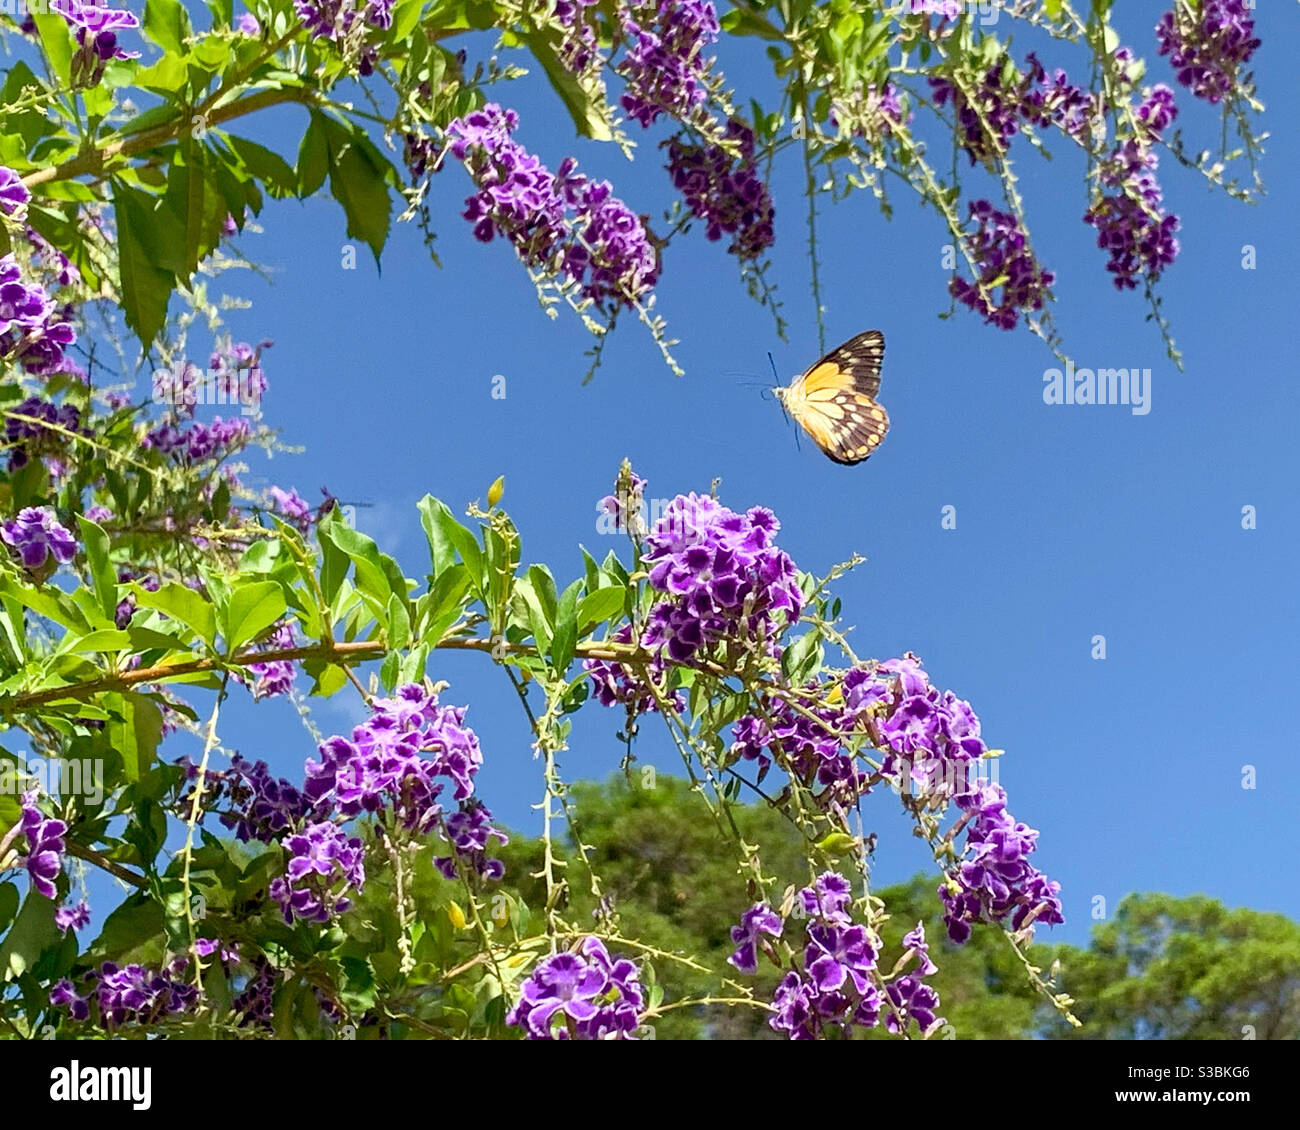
(406, 17)
(358, 174)
(565, 638)
(103, 577)
(267, 166)
(803, 658)
(254, 607)
(589, 115)
(56, 38)
(134, 732)
(399, 622)
(372, 577)
(597, 607)
(32, 933)
(434, 517)
(8, 903)
(168, 24)
(182, 603)
(313, 157)
(544, 586)
(145, 287)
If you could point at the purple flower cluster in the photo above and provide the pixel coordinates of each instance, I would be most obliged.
(237, 368)
(393, 763)
(1000, 249)
(990, 117)
(613, 682)
(263, 807)
(292, 507)
(95, 29)
(1056, 101)
(36, 435)
(722, 577)
(13, 193)
(36, 536)
(45, 846)
(663, 61)
(932, 738)
(126, 606)
(581, 995)
(276, 676)
(1208, 43)
(72, 917)
(33, 329)
(61, 268)
(836, 985)
(578, 47)
(470, 831)
(340, 20)
(255, 1005)
(603, 249)
(125, 994)
(199, 442)
(1132, 226)
(759, 919)
(911, 997)
(324, 865)
(808, 741)
(420, 154)
(724, 190)
(994, 879)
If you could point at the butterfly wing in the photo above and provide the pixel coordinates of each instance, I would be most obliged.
(835, 400)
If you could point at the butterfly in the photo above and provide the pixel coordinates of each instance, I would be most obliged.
(835, 400)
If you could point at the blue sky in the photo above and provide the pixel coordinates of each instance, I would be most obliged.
(1072, 521)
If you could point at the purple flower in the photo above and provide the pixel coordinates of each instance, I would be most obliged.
(200, 442)
(72, 917)
(758, 919)
(721, 575)
(915, 943)
(52, 259)
(663, 61)
(1004, 262)
(95, 29)
(603, 249)
(987, 117)
(725, 190)
(292, 507)
(129, 994)
(45, 846)
(324, 865)
(399, 761)
(469, 831)
(247, 24)
(13, 193)
(63, 994)
(1157, 109)
(837, 983)
(261, 807)
(582, 995)
(36, 535)
(1131, 224)
(276, 676)
(44, 432)
(1208, 43)
(993, 879)
(335, 19)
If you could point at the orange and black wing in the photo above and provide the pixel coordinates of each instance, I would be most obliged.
(835, 400)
